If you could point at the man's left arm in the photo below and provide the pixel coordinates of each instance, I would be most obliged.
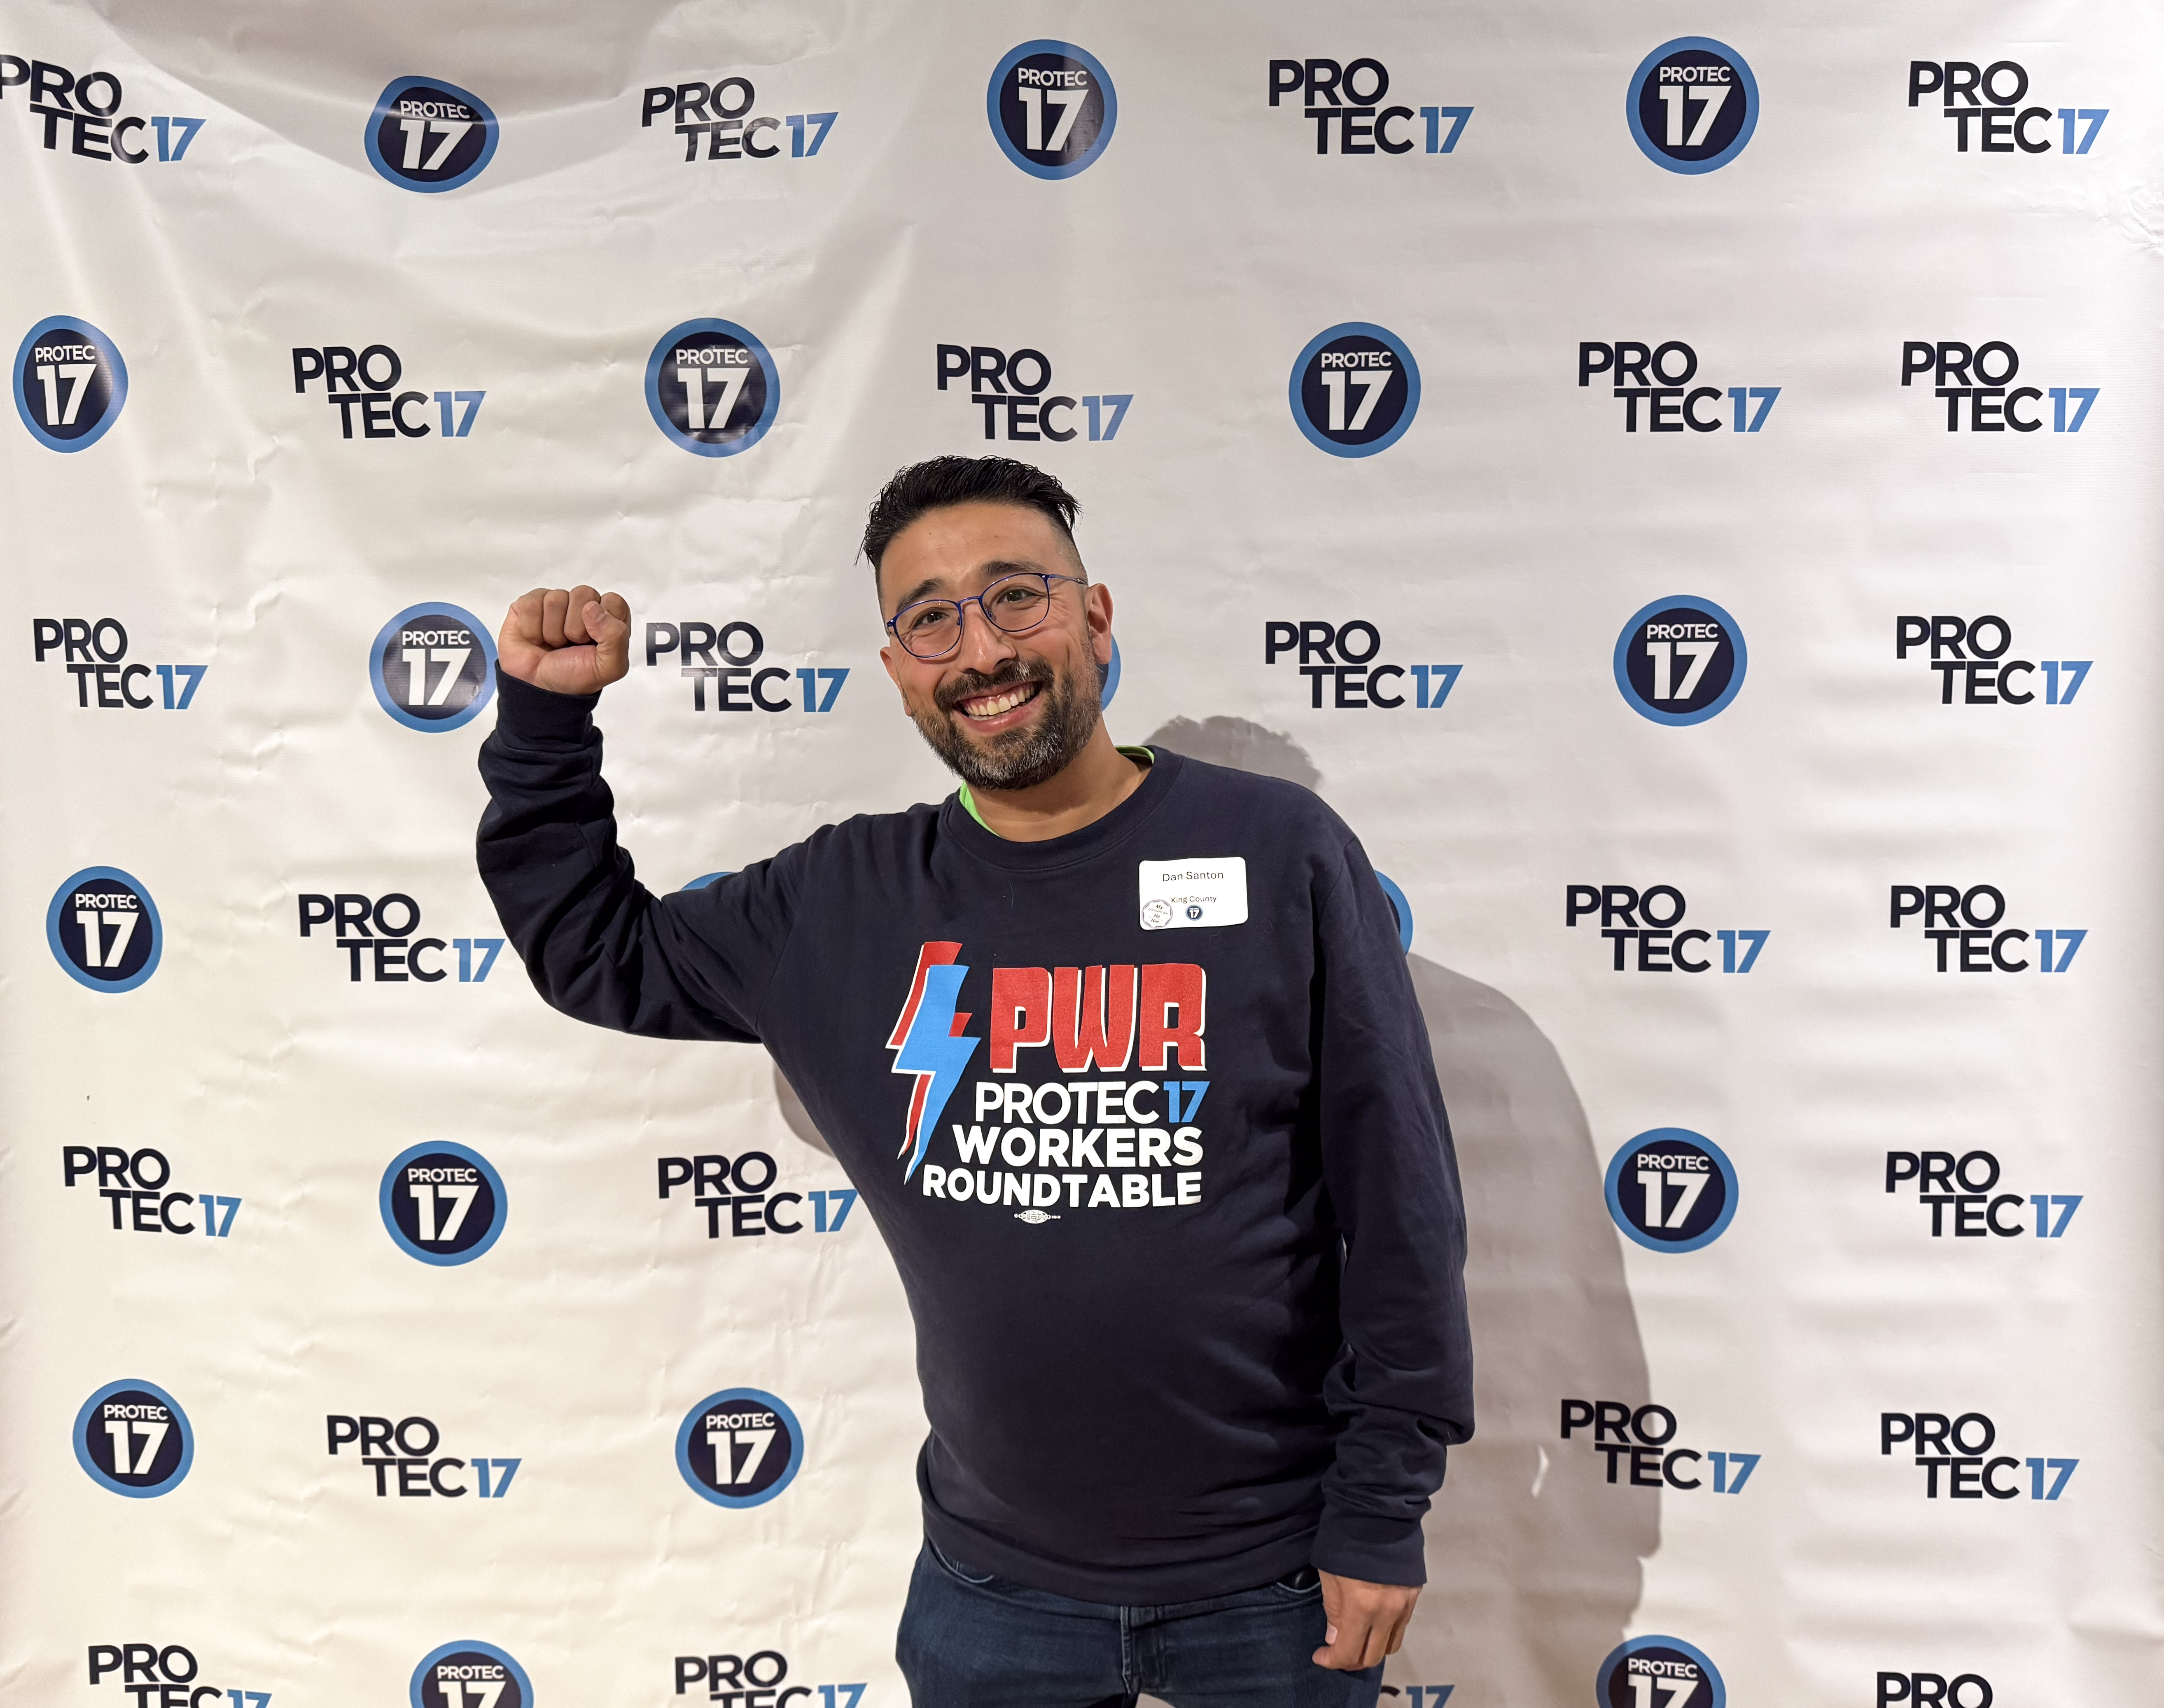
(1403, 1386)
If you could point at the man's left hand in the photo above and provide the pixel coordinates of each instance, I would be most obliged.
(1365, 1621)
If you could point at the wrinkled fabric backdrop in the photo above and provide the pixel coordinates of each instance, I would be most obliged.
(1845, 674)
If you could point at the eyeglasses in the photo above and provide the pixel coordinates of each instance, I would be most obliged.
(931, 628)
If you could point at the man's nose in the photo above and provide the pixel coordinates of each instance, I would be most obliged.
(984, 647)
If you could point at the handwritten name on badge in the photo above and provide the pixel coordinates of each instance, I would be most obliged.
(1176, 893)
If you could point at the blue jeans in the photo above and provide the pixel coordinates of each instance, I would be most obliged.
(969, 1640)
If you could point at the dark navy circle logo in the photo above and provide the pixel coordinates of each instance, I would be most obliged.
(429, 135)
(69, 383)
(1693, 104)
(104, 930)
(1402, 908)
(434, 666)
(1355, 389)
(1658, 1669)
(1672, 1189)
(133, 1437)
(468, 1674)
(1680, 660)
(712, 387)
(739, 1447)
(442, 1203)
(1052, 109)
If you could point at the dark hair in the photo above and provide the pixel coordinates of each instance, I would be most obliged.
(940, 481)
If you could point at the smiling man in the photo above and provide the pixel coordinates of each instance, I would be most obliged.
(1121, 1051)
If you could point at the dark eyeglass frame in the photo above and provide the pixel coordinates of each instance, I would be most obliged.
(1047, 576)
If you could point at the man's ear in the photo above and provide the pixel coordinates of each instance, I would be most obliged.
(1097, 612)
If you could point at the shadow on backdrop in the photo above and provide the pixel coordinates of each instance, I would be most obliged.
(1534, 1560)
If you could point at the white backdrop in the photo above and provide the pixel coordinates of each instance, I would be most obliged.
(1512, 531)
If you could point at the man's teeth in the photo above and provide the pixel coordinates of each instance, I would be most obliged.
(995, 704)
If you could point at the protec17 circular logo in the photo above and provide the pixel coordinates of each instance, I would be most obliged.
(1658, 1669)
(104, 930)
(1680, 660)
(132, 1437)
(1672, 1189)
(1052, 109)
(1355, 389)
(1402, 908)
(739, 1447)
(433, 667)
(468, 1673)
(1693, 104)
(69, 383)
(712, 387)
(442, 1202)
(429, 135)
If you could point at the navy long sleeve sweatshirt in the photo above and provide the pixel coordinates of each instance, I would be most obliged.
(1146, 1114)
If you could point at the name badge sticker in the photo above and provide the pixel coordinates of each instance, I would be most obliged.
(1177, 893)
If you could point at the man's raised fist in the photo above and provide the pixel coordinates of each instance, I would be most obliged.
(574, 642)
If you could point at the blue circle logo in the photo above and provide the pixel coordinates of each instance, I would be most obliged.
(1672, 1189)
(429, 135)
(712, 387)
(1052, 109)
(1680, 660)
(739, 1447)
(433, 667)
(1111, 678)
(1693, 104)
(442, 1203)
(467, 1674)
(1634, 1673)
(1355, 389)
(133, 1437)
(104, 929)
(69, 383)
(710, 878)
(1402, 908)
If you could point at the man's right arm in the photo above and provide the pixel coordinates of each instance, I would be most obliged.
(597, 942)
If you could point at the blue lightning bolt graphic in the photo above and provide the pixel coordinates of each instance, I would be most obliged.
(934, 1054)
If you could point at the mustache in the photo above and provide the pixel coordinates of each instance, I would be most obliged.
(1015, 673)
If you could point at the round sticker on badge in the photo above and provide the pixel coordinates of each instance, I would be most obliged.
(1672, 1189)
(468, 1674)
(433, 667)
(104, 929)
(1680, 660)
(429, 135)
(739, 1447)
(133, 1437)
(712, 388)
(1693, 104)
(1052, 108)
(1355, 389)
(69, 383)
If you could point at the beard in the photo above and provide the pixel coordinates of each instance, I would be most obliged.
(1021, 758)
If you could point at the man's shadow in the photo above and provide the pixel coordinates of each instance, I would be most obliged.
(1534, 1559)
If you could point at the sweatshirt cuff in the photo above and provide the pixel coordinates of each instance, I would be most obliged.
(529, 715)
(1375, 1550)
